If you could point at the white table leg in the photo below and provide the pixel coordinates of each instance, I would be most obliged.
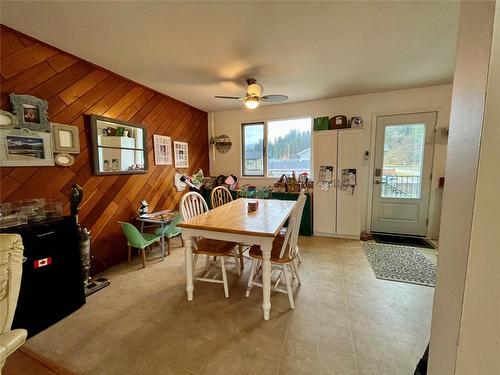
(188, 253)
(266, 278)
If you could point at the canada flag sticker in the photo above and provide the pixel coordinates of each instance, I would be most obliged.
(42, 262)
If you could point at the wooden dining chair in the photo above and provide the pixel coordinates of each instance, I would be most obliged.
(283, 255)
(283, 230)
(191, 205)
(219, 196)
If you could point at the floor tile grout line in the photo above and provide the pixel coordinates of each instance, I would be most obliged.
(349, 316)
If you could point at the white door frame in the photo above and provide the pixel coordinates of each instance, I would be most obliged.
(373, 133)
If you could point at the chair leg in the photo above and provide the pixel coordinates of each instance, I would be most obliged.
(143, 257)
(195, 258)
(224, 276)
(236, 261)
(286, 274)
(296, 271)
(250, 279)
(182, 242)
(240, 249)
(298, 255)
(169, 245)
(129, 253)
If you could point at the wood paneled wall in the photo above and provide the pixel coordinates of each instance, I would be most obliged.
(75, 88)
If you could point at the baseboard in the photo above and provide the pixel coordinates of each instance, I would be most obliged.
(334, 235)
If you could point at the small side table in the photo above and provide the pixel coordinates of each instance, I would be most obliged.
(160, 218)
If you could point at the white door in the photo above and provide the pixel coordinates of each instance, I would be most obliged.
(350, 155)
(325, 192)
(402, 175)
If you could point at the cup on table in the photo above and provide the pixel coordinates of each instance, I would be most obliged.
(252, 206)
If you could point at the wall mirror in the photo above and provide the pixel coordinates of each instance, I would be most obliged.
(118, 147)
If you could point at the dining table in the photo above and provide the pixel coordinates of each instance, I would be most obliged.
(234, 222)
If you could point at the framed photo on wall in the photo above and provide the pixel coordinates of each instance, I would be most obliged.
(163, 149)
(24, 148)
(31, 112)
(66, 138)
(181, 154)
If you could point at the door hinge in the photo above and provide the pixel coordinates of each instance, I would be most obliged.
(427, 222)
(431, 176)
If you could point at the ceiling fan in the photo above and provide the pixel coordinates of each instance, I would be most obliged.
(253, 97)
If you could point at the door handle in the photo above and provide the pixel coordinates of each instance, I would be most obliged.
(379, 182)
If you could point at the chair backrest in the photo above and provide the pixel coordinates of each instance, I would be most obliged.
(292, 233)
(134, 237)
(192, 204)
(220, 196)
(11, 269)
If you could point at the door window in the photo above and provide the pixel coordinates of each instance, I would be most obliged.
(403, 161)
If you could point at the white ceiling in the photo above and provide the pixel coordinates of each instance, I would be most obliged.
(306, 50)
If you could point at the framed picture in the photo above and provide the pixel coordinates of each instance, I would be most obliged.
(7, 120)
(31, 112)
(24, 148)
(163, 150)
(181, 154)
(64, 160)
(66, 138)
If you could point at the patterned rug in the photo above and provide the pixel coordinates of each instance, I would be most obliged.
(400, 263)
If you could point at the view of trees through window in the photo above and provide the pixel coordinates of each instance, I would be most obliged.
(288, 147)
(253, 149)
(403, 159)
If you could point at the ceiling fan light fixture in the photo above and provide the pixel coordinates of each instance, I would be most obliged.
(252, 102)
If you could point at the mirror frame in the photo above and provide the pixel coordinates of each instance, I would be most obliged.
(95, 154)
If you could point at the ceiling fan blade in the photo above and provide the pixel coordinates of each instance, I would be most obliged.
(273, 98)
(228, 97)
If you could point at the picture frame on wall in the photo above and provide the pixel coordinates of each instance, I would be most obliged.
(163, 149)
(181, 154)
(66, 138)
(31, 112)
(24, 148)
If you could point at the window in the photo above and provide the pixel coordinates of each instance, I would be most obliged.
(253, 149)
(403, 160)
(288, 147)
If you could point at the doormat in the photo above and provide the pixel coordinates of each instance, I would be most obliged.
(400, 263)
(392, 239)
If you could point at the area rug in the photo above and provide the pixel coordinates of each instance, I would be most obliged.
(400, 263)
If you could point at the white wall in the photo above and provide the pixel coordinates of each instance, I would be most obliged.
(435, 98)
(479, 340)
(465, 335)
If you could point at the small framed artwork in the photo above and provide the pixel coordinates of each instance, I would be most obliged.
(181, 154)
(66, 138)
(23, 148)
(163, 149)
(64, 160)
(7, 120)
(31, 112)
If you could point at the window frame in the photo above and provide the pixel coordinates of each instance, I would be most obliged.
(265, 124)
(264, 148)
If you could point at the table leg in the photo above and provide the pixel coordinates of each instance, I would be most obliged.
(142, 226)
(266, 279)
(162, 225)
(188, 254)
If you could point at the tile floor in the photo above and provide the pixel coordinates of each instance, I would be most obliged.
(345, 321)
